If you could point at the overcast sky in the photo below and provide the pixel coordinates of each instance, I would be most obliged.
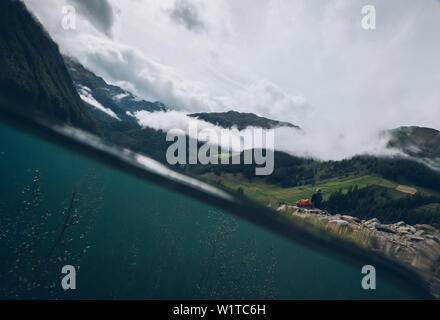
(305, 61)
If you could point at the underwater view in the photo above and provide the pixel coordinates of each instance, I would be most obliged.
(138, 172)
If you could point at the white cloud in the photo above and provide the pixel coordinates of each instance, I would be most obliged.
(187, 13)
(128, 67)
(295, 142)
(120, 96)
(267, 99)
(179, 122)
(307, 62)
(99, 13)
(316, 144)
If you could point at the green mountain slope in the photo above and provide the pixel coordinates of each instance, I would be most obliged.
(34, 80)
(343, 183)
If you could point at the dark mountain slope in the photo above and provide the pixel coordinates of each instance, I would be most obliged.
(111, 97)
(418, 142)
(33, 74)
(240, 120)
(129, 134)
(111, 118)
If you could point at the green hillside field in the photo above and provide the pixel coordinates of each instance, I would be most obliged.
(269, 194)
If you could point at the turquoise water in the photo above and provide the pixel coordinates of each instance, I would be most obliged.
(131, 239)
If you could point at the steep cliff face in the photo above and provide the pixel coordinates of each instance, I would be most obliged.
(34, 80)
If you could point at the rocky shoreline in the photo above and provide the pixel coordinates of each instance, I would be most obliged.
(416, 246)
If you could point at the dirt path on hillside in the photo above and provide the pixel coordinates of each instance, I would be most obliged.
(406, 189)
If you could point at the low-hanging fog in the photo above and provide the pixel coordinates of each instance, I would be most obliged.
(311, 142)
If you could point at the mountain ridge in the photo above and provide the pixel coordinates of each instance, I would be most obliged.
(99, 95)
(241, 120)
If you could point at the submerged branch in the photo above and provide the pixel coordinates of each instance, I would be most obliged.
(65, 226)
